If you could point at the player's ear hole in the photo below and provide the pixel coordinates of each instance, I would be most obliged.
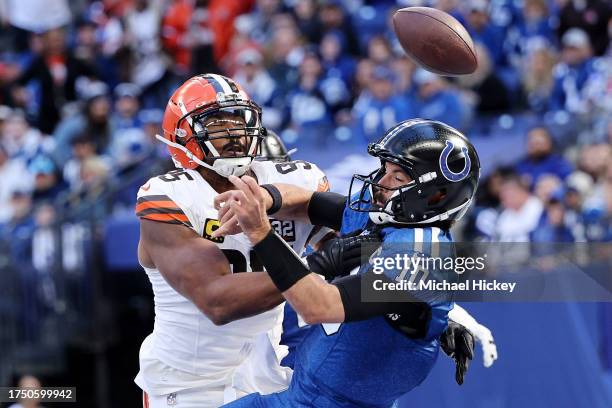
(437, 197)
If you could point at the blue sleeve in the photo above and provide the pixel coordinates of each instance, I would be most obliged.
(353, 220)
(403, 241)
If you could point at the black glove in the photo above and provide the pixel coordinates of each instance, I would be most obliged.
(339, 256)
(458, 343)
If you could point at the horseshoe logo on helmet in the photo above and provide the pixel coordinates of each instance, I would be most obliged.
(446, 171)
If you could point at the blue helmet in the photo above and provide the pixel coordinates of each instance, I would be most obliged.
(444, 168)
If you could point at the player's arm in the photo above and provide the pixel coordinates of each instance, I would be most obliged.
(314, 299)
(481, 333)
(322, 208)
(286, 202)
(198, 270)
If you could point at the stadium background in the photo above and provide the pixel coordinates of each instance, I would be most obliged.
(82, 90)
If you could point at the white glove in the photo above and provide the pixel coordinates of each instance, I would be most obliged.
(482, 333)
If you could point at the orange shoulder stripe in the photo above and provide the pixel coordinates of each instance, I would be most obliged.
(182, 218)
(157, 204)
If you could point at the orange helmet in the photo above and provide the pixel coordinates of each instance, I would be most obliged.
(186, 118)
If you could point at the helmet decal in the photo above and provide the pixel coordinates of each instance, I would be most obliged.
(446, 171)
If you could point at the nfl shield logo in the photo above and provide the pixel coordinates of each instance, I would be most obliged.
(171, 399)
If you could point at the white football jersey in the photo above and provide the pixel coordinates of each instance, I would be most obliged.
(186, 350)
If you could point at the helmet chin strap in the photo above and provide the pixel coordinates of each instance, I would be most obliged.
(232, 166)
(381, 217)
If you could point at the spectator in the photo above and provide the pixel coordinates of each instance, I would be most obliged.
(176, 37)
(83, 147)
(15, 178)
(287, 53)
(88, 49)
(338, 73)
(537, 76)
(203, 39)
(363, 75)
(55, 71)
(34, 16)
(481, 221)
(127, 106)
(378, 107)
(404, 69)
(593, 160)
(488, 194)
(128, 148)
(310, 115)
(151, 120)
(481, 29)
(591, 16)
(540, 159)
(336, 62)
(30, 382)
(572, 74)
(93, 173)
(259, 85)
(379, 50)
(94, 120)
(597, 210)
(436, 101)
(110, 32)
(548, 187)
(264, 13)
(552, 228)
(520, 213)
(48, 183)
(333, 18)
(490, 94)
(150, 67)
(188, 35)
(241, 41)
(578, 186)
(533, 22)
(21, 141)
(306, 17)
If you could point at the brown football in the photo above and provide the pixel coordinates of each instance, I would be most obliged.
(435, 40)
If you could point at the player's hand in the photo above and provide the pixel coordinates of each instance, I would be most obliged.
(227, 219)
(339, 256)
(458, 343)
(228, 223)
(246, 206)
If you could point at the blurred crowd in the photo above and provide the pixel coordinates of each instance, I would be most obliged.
(83, 85)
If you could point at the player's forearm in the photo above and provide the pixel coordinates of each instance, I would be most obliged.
(236, 296)
(317, 208)
(294, 203)
(316, 300)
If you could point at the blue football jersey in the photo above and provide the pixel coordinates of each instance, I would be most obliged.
(370, 363)
(366, 363)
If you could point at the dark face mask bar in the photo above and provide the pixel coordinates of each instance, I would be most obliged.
(364, 202)
(251, 129)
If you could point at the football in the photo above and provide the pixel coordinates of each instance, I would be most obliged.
(435, 40)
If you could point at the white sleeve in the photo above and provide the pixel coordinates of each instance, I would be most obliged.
(482, 334)
(171, 203)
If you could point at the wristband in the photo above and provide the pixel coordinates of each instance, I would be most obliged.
(283, 265)
(277, 198)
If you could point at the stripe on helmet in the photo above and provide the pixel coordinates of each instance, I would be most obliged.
(222, 82)
(214, 82)
(401, 127)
